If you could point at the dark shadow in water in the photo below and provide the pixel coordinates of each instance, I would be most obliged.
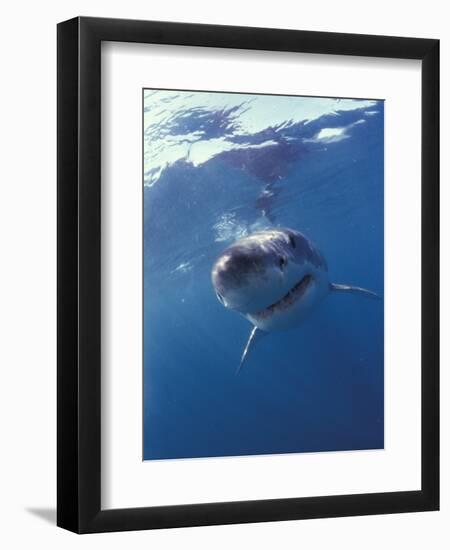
(46, 514)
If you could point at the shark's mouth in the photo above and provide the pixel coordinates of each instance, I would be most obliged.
(288, 299)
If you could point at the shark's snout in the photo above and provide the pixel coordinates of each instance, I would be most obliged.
(233, 270)
(234, 274)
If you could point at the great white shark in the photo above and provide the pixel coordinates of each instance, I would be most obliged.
(275, 278)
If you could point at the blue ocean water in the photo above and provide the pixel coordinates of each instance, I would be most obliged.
(218, 167)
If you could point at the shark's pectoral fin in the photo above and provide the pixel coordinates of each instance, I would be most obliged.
(255, 335)
(355, 289)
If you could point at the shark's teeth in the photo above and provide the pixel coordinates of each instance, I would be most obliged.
(292, 296)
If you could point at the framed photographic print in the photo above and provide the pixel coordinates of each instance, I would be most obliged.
(248, 255)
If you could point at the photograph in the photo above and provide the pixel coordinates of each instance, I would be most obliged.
(263, 274)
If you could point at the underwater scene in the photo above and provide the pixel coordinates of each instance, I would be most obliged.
(263, 272)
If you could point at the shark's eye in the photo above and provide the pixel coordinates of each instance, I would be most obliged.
(282, 262)
(292, 241)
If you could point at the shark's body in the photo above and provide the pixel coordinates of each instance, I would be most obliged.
(275, 278)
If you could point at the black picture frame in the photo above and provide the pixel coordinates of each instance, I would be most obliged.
(79, 280)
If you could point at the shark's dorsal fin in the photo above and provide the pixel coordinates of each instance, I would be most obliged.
(255, 335)
(354, 289)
